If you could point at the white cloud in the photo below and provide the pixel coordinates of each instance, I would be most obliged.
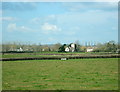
(23, 28)
(51, 17)
(35, 20)
(51, 39)
(8, 18)
(38, 20)
(11, 27)
(82, 6)
(46, 27)
(14, 27)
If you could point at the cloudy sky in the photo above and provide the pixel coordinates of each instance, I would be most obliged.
(63, 22)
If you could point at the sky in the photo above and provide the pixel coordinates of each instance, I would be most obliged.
(59, 22)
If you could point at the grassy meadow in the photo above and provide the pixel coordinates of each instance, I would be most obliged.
(53, 54)
(73, 74)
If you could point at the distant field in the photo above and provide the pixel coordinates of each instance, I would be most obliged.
(51, 54)
(77, 74)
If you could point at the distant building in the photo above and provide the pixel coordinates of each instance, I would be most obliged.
(118, 51)
(70, 48)
(18, 49)
(43, 49)
(67, 49)
(89, 49)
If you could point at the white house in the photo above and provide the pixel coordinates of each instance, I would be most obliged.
(89, 49)
(70, 48)
(20, 49)
(67, 49)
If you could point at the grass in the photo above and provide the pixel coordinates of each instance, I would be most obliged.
(80, 74)
(52, 54)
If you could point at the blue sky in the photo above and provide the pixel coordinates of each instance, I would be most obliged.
(63, 22)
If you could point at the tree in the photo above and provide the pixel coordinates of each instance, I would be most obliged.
(83, 48)
(62, 48)
(110, 46)
(56, 47)
(78, 47)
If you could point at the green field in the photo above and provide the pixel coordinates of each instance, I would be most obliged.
(53, 54)
(74, 74)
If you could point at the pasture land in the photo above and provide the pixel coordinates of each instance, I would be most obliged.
(53, 54)
(74, 74)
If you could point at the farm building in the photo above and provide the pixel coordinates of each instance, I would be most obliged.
(90, 49)
(71, 48)
(18, 49)
(68, 48)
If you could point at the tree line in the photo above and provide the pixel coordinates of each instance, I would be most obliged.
(110, 46)
(17, 47)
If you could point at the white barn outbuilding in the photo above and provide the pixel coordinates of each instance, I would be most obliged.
(70, 48)
(89, 49)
